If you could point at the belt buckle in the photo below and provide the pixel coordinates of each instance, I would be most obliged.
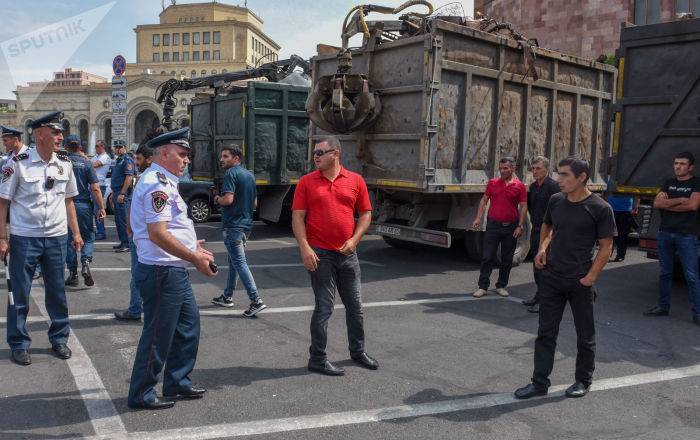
(505, 223)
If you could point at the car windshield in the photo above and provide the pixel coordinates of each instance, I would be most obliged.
(186, 175)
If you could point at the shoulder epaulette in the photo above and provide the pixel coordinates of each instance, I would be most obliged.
(63, 156)
(21, 156)
(161, 178)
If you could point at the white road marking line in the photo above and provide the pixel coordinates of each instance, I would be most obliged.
(293, 309)
(289, 424)
(265, 240)
(104, 417)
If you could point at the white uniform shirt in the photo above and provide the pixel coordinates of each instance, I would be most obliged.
(156, 199)
(12, 154)
(104, 169)
(37, 211)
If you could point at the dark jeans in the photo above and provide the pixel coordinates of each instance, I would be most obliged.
(686, 247)
(120, 210)
(342, 273)
(170, 336)
(26, 254)
(623, 221)
(534, 246)
(555, 292)
(84, 213)
(497, 234)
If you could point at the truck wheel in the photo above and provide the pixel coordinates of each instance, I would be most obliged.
(474, 241)
(199, 210)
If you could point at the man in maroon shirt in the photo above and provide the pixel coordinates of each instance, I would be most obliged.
(323, 219)
(505, 223)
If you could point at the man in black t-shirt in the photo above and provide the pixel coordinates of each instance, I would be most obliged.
(574, 221)
(678, 204)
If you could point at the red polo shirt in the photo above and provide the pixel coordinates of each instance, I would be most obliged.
(505, 198)
(331, 206)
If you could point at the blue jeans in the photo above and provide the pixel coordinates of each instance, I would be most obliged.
(101, 225)
(84, 212)
(170, 336)
(685, 245)
(25, 254)
(135, 301)
(235, 241)
(120, 210)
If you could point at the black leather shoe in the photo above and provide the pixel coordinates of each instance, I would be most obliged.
(72, 280)
(535, 308)
(189, 393)
(155, 404)
(117, 246)
(126, 316)
(530, 302)
(21, 357)
(530, 390)
(656, 311)
(87, 275)
(366, 361)
(325, 367)
(578, 389)
(61, 351)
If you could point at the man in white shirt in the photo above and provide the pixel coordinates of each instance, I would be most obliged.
(101, 162)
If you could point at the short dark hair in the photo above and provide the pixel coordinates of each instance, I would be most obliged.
(332, 141)
(686, 155)
(234, 150)
(144, 151)
(507, 159)
(578, 166)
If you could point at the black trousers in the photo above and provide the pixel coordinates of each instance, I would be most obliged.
(534, 246)
(341, 273)
(623, 220)
(497, 234)
(555, 292)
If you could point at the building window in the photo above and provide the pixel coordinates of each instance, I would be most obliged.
(185, 56)
(193, 74)
(176, 57)
(195, 37)
(156, 58)
(186, 39)
(205, 55)
(206, 37)
(204, 73)
(162, 72)
(176, 39)
(224, 71)
(691, 6)
(647, 11)
(183, 73)
(156, 39)
(217, 37)
(172, 73)
(216, 54)
(195, 55)
(166, 57)
(166, 39)
(213, 71)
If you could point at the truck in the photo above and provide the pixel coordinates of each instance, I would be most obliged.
(428, 104)
(265, 118)
(657, 113)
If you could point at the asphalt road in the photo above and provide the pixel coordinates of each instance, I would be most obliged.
(449, 363)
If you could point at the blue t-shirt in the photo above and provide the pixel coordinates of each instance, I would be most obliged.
(84, 176)
(621, 203)
(123, 166)
(240, 182)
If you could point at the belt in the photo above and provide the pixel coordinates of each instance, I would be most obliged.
(504, 224)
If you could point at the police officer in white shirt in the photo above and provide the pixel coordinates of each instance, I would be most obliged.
(12, 140)
(41, 186)
(166, 243)
(101, 162)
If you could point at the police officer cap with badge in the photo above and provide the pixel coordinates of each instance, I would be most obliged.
(166, 243)
(40, 184)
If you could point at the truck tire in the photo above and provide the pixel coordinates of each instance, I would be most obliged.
(474, 245)
(199, 210)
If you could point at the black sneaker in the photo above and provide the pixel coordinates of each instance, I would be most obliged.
(87, 275)
(122, 249)
(255, 307)
(72, 280)
(222, 301)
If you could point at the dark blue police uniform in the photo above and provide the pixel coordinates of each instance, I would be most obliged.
(84, 176)
(124, 166)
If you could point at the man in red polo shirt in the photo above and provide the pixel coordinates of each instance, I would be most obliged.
(505, 223)
(323, 219)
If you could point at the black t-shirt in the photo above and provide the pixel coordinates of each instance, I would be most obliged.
(575, 229)
(538, 198)
(680, 222)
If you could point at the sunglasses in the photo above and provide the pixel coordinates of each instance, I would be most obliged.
(319, 153)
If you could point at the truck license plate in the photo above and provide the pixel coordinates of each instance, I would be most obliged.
(390, 230)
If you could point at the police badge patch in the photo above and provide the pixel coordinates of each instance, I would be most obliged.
(158, 200)
(7, 173)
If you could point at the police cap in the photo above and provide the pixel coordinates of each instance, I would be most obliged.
(51, 120)
(9, 131)
(118, 143)
(178, 137)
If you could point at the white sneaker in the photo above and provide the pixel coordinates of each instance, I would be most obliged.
(503, 292)
(479, 293)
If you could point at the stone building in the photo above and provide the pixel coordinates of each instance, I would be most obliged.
(230, 36)
(586, 28)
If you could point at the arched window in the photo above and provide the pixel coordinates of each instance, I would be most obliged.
(213, 71)
(172, 73)
(162, 72)
(224, 71)
(204, 73)
(193, 74)
(183, 73)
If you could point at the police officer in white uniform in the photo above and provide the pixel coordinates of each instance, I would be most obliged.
(12, 140)
(41, 186)
(166, 243)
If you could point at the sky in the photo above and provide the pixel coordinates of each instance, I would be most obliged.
(98, 30)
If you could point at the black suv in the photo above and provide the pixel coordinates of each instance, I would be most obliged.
(199, 197)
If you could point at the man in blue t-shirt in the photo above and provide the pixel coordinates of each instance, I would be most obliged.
(237, 201)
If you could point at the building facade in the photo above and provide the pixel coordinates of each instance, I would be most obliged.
(216, 37)
(587, 28)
